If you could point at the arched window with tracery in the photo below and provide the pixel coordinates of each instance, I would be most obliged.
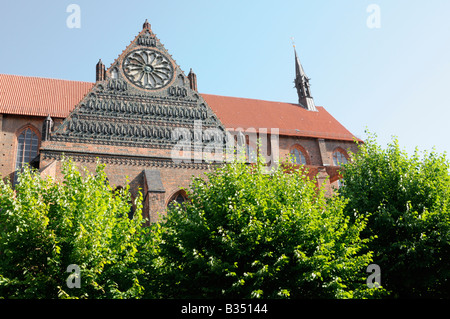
(27, 148)
(299, 155)
(179, 197)
(340, 157)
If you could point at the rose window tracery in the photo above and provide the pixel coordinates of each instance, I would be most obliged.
(148, 69)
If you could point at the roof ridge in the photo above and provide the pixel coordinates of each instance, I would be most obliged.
(88, 82)
(253, 99)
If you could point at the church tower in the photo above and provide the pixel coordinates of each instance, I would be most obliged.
(302, 85)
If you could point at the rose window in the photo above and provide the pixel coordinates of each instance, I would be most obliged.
(148, 69)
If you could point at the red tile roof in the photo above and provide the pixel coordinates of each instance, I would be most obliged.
(35, 96)
(289, 118)
(42, 96)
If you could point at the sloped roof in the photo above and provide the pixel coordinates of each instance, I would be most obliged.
(36, 96)
(25, 95)
(289, 118)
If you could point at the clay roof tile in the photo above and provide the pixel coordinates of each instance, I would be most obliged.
(36, 96)
(289, 118)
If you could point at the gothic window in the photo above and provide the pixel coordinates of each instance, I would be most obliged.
(27, 148)
(339, 158)
(179, 197)
(299, 155)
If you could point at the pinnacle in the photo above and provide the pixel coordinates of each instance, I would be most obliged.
(146, 25)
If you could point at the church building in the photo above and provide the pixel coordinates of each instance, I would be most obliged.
(146, 120)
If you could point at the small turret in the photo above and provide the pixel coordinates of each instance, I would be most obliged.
(192, 80)
(47, 128)
(100, 71)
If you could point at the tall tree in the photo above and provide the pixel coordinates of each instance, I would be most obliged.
(80, 224)
(249, 233)
(407, 202)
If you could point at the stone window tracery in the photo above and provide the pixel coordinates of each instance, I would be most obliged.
(27, 148)
(339, 158)
(299, 155)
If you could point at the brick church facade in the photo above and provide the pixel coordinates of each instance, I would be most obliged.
(145, 119)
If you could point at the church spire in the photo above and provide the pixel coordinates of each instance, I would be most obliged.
(302, 85)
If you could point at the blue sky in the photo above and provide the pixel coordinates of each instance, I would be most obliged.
(393, 80)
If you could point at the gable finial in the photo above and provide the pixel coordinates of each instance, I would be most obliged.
(146, 25)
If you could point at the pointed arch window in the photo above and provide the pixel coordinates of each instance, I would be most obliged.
(339, 158)
(27, 147)
(299, 155)
(179, 197)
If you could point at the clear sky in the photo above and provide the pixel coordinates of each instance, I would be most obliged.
(393, 79)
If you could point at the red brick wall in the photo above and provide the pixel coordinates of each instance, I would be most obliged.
(11, 126)
(309, 144)
(173, 179)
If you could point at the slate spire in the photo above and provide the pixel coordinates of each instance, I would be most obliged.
(302, 85)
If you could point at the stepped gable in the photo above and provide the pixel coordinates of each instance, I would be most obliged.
(138, 101)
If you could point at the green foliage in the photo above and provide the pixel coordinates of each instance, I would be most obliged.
(407, 202)
(247, 233)
(45, 226)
